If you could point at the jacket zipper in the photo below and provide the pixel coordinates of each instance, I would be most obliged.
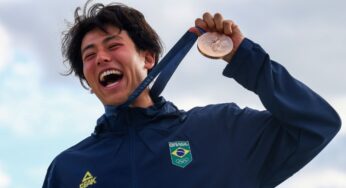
(132, 157)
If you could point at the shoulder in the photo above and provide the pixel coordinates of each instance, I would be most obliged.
(63, 161)
(83, 144)
(216, 109)
(229, 114)
(213, 114)
(75, 151)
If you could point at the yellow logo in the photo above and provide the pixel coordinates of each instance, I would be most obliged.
(87, 180)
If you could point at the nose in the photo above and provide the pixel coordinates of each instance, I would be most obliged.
(103, 57)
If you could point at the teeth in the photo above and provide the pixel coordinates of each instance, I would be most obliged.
(109, 72)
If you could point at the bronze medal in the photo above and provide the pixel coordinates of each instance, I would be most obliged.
(214, 45)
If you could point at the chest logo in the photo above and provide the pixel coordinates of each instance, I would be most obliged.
(180, 152)
(87, 180)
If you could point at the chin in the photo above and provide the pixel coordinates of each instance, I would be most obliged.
(113, 102)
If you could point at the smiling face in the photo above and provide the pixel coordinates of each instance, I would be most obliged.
(113, 67)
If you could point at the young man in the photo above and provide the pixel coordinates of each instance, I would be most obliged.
(153, 144)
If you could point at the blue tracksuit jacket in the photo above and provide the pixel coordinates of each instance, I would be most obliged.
(217, 146)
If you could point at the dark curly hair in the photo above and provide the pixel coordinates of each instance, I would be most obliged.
(100, 16)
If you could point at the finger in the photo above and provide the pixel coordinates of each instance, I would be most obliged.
(218, 20)
(227, 27)
(208, 18)
(200, 23)
(235, 28)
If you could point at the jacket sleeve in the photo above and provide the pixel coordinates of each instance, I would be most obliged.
(297, 124)
(50, 180)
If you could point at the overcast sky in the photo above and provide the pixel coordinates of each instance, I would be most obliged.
(42, 113)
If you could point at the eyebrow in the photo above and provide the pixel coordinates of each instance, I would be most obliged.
(107, 39)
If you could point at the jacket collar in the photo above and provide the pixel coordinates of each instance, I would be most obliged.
(119, 119)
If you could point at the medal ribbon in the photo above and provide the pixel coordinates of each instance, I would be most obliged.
(165, 68)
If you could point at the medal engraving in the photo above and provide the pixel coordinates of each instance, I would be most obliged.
(214, 45)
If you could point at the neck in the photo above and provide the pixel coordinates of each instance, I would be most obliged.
(143, 100)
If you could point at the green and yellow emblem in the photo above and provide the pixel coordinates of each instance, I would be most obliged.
(181, 154)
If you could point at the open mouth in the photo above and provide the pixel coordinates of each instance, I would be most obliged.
(110, 77)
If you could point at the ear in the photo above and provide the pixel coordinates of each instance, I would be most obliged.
(149, 60)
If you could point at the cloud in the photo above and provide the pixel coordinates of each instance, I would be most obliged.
(36, 173)
(27, 106)
(339, 103)
(319, 178)
(5, 49)
(5, 179)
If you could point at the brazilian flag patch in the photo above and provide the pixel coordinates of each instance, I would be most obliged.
(180, 152)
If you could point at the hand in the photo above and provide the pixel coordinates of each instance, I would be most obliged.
(216, 23)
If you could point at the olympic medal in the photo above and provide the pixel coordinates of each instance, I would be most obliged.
(214, 45)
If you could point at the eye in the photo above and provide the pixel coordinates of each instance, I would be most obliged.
(114, 46)
(89, 56)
